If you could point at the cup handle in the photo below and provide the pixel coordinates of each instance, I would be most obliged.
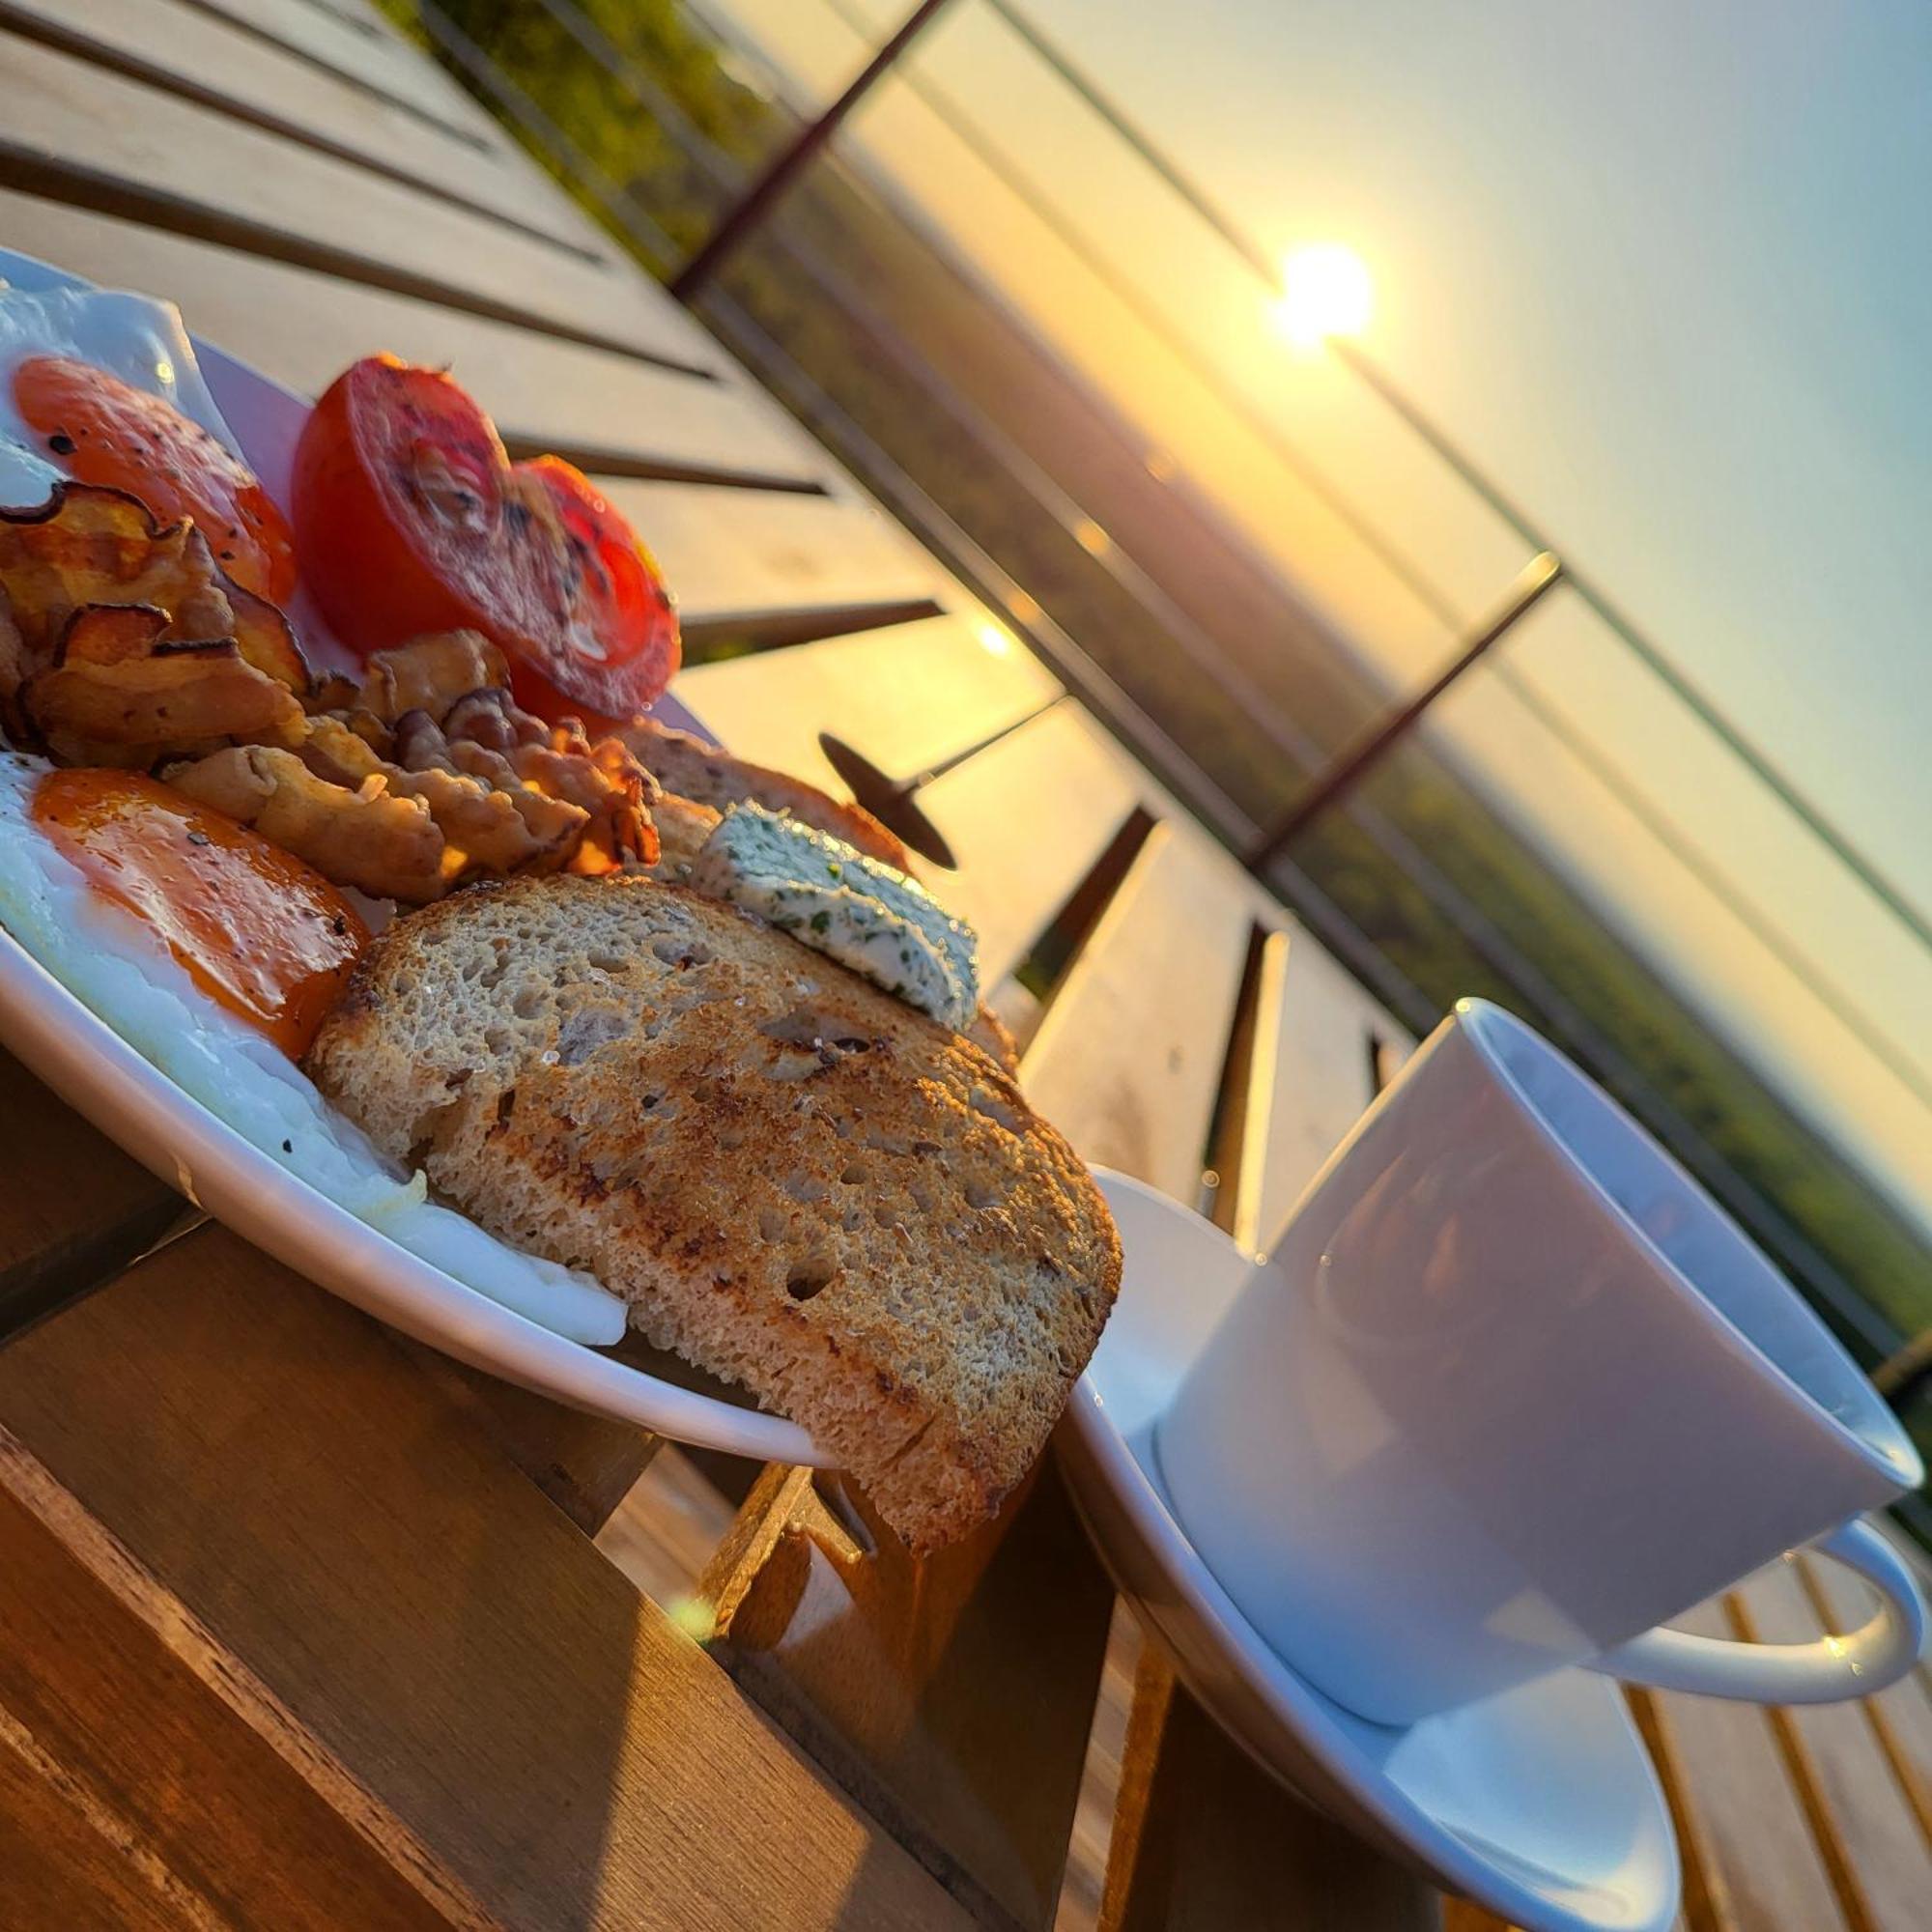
(1822, 1672)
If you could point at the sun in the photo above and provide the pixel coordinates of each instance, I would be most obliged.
(1325, 291)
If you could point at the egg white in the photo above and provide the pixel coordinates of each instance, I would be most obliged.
(135, 337)
(115, 965)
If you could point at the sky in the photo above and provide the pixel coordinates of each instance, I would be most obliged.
(1666, 273)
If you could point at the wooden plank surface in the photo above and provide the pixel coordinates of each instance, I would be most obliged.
(302, 328)
(1869, 1838)
(1324, 1076)
(1215, 1843)
(954, 1694)
(450, 1644)
(370, 53)
(73, 1208)
(904, 697)
(1025, 820)
(1158, 977)
(1752, 1861)
(738, 559)
(76, 133)
(186, 50)
(1900, 1718)
(106, 1720)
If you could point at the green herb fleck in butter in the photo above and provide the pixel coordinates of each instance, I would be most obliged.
(884, 926)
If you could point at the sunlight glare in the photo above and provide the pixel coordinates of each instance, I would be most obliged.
(1325, 291)
(994, 639)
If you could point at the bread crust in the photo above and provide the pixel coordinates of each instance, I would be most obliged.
(711, 775)
(793, 1179)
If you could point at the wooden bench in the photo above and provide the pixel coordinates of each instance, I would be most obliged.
(301, 1625)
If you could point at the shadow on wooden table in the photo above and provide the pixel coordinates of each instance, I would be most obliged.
(311, 1652)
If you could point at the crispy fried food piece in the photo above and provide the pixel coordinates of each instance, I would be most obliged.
(431, 673)
(369, 838)
(86, 546)
(600, 781)
(489, 789)
(486, 830)
(121, 692)
(489, 717)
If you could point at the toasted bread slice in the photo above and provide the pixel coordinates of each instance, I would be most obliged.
(795, 1180)
(713, 777)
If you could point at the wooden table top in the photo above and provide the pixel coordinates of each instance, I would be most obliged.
(303, 1626)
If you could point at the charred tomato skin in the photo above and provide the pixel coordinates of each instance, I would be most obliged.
(411, 518)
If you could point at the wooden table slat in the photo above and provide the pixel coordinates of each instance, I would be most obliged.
(75, 1210)
(1162, 971)
(1027, 820)
(446, 1636)
(1215, 1843)
(80, 133)
(1324, 1076)
(1747, 1839)
(585, 1464)
(904, 697)
(1867, 1832)
(371, 53)
(106, 1710)
(1900, 1716)
(186, 49)
(952, 1696)
(304, 327)
(740, 560)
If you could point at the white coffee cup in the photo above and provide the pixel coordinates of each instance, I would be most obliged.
(1511, 1391)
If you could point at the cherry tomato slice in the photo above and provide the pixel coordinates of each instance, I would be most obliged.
(411, 518)
(102, 430)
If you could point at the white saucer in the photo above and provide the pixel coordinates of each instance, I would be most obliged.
(1541, 1805)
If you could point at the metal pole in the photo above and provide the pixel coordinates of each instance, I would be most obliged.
(703, 268)
(1540, 575)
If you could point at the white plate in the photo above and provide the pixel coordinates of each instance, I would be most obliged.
(1541, 1805)
(91, 1068)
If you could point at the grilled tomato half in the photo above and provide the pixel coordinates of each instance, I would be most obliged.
(411, 518)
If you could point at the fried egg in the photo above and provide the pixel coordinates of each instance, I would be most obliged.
(134, 337)
(207, 989)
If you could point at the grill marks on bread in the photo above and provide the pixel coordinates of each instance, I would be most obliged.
(795, 1180)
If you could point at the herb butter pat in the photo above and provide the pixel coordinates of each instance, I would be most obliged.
(879, 924)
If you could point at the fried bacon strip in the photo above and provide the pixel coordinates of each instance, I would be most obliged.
(119, 692)
(368, 838)
(89, 546)
(486, 829)
(488, 788)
